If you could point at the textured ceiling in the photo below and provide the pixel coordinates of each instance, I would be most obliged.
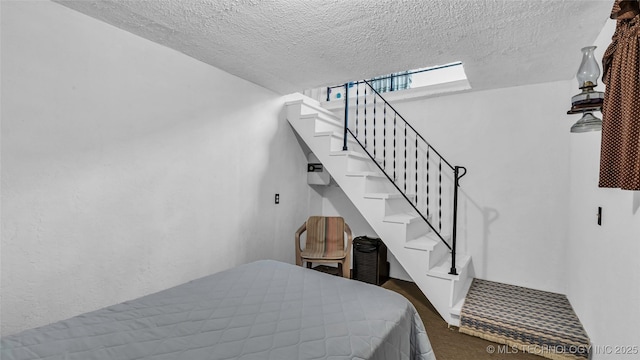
(291, 45)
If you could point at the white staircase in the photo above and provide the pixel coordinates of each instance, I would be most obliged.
(420, 252)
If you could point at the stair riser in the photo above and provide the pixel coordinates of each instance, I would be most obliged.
(418, 257)
(311, 124)
(355, 164)
(342, 164)
(398, 206)
(293, 111)
(375, 207)
(416, 229)
(379, 185)
(324, 141)
(440, 251)
(322, 125)
(434, 254)
(337, 143)
(459, 293)
(356, 185)
(458, 289)
(305, 108)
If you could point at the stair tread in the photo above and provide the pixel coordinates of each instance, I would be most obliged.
(386, 196)
(424, 242)
(308, 116)
(366, 174)
(349, 153)
(309, 103)
(334, 134)
(444, 266)
(322, 117)
(402, 218)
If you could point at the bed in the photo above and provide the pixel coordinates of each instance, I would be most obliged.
(261, 310)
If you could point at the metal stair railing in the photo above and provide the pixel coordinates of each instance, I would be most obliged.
(409, 162)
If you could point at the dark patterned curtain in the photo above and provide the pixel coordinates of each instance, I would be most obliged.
(620, 148)
(394, 82)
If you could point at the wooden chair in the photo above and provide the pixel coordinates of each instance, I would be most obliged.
(325, 243)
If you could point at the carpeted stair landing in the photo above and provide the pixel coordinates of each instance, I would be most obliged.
(523, 319)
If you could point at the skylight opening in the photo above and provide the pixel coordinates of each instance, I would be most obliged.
(417, 78)
(420, 82)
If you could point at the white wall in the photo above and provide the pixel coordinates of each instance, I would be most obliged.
(603, 271)
(128, 167)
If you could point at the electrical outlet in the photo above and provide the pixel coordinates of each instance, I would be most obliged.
(277, 198)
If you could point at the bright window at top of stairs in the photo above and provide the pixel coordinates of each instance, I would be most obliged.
(425, 82)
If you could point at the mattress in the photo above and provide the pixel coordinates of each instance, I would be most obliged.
(261, 310)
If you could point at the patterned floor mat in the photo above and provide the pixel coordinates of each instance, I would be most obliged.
(523, 319)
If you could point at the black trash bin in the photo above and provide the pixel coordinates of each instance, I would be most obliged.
(370, 260)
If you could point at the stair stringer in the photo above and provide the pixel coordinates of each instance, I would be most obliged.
(423, 256)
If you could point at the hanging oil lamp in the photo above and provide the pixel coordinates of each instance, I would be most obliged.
(588, 100)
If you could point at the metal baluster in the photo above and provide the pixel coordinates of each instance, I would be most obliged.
(428, 148)
(384, 138)
(395, 177)
(440, 196)
(357, 104)
(374, 127)
(365, 116)
(416, 184)
(405, 159)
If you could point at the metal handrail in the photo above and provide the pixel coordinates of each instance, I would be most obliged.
(458, 171)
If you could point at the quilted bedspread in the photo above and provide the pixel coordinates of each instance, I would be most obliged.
(262, 310)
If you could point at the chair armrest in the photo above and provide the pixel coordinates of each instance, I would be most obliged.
(299, 232)
(347, 256)
(347, 229)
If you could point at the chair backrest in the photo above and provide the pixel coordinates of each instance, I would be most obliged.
(325, 235)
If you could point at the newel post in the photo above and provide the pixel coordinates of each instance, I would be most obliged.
(457, 176)
(346, 116)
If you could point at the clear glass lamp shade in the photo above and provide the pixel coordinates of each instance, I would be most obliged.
(587, 123)
(588, 72)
